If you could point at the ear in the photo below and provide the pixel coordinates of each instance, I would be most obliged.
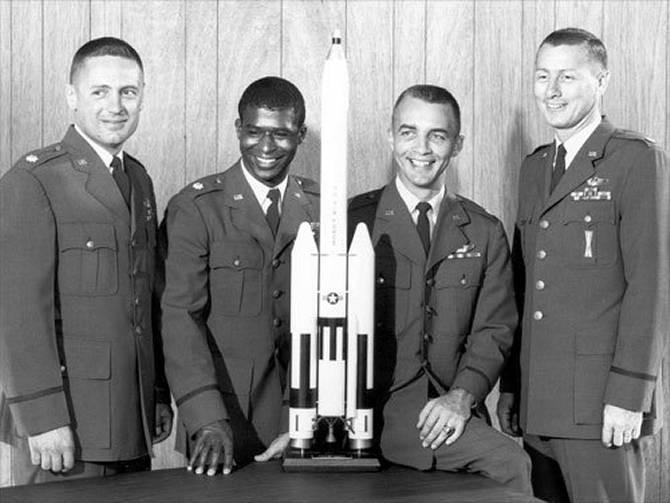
(71, 96)
(301, 133)
(603, 81)
(458, 145)
(238, 127)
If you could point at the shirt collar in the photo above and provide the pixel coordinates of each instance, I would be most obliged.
(105, 156)
(411, 200)
(576, 141)
(259, 189)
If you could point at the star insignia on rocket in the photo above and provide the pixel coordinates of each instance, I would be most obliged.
(332, 298)
(32, 158)
(198, 186)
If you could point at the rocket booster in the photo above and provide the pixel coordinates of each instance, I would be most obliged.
(332, 292)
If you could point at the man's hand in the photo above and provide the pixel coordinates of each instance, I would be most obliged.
(443, 419)
(163, 421)
(620, 426)
(276, 448)
(53, 450)
(213, 443)
(508, 414)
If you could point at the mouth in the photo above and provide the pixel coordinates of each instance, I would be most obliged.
(420, 164)
(555, 107)
(266, 162)
(114, 124)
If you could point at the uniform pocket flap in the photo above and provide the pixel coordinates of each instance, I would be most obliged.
(393, 273)
(589, 212)
(233, 255)
(458, 273)
(86, 236)
(87, 359)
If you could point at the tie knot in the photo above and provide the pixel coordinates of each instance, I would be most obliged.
(115, 164)
(423, 207)
(273, 195)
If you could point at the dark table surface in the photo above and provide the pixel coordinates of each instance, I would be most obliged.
(268, 483)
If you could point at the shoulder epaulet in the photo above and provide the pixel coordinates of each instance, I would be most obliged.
(365, 199)
(202, 186)
(308, 185)
(628, 134)
(540, 149)
(474, 207)
(41, 156)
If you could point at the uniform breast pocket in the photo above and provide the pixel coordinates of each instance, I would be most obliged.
(590, 238)
(88, 259)
(393, 279)
(236, 278)
(457, 283)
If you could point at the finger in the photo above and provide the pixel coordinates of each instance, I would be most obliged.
(433, 424)
(617, 437)
(636, 433)
(46, 460)
(516, 430)
(627, 436)
(458, 431)
(441, 437)
(213, 462)
(228, 461)
(424, 413)
(606, 436)
(263, 456)
(202, 459)
(35, 457)
(68, 460)
(195, 454)
(438, 428)
(56, 462)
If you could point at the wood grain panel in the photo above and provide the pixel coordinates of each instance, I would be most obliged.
(5, 95)
(156, 31)
(409, 44)
(538, 22)
(65, 27)
(201, 89)
(306, 39)
(105, 18)
(249, 48)
(498, 108)
(636, 95)
(370, 36)
(450, 63)
(586, 14)
(26, 94)
(665, 432)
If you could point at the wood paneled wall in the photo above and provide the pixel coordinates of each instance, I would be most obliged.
(200, 54)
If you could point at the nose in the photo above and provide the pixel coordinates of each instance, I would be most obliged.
(421, 144)
(553, 89)
(267, 143)
(114, 103)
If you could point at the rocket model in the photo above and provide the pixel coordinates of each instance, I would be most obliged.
(332, 302)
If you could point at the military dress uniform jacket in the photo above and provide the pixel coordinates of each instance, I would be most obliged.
(227, 304)
(447, 319)
(594, 255)
(76, 282)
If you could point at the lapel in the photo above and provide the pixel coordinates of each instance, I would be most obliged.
(296, 208)
(245, 212)
(393, 222)
(448, 234)
(99, 182)
(583, 165)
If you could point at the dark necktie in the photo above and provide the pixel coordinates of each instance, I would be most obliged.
(121, 178)
(559, 167)
(422, 224)
(272, 215)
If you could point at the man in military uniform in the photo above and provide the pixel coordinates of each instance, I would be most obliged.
(445, 311)
(77, 240)
(226, 302)
(592, 239)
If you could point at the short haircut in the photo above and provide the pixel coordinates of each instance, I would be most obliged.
(105, 46)
(432, 94)
(273, 93)
(576, 36)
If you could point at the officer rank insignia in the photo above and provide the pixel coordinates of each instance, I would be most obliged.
(31, 158)
(149, 210)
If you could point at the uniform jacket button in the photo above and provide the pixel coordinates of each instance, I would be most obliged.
(138, 330)
(541, 254)
(538, 315)
(277, 293)
(544, 224)
(275, 263)
(539, 284)
(90, 244)
(430, 282)
(236, 262)
(62, 368)
(587, 218)
(380, 280)
(276, 322)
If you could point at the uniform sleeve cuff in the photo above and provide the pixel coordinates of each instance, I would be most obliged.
(474, 382)
(39, 415)
(200, 408)
(629, 392)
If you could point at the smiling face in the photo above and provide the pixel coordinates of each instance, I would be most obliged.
(568, 87)
(106, 98)
(269, 140)
(424, 139)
